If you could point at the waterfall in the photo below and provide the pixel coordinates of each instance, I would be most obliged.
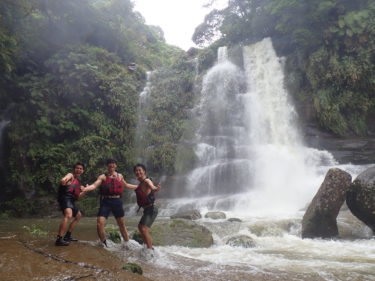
(250, 154)
(143, 106)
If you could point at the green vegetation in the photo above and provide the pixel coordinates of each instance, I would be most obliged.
(171, 98)
(68, 90)
(113, 234)
(329, 50)
(88, 205)
(133, 267)
(66, 87)
(35, 230)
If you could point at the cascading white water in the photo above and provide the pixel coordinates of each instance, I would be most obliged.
(253, 165)
(144, 97)
(250, 154)
(285, 171)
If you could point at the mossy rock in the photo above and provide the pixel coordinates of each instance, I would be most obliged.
(137, 237)
(181, 232)
(241, 241)
(113, 234)
(133, 267)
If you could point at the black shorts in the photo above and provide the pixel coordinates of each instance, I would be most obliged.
(65, 203)
(149, 216)
(108, 205)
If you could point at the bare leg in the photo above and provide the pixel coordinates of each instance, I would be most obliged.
(122, 227)
(100, 228)
(147, 239)
(68, 213)
(77, 218)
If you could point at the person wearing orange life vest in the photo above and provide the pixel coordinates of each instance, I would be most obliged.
(145, 199)
(111, 188)
(70, 190)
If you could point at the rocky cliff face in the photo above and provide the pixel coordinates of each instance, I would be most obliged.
(356, 150)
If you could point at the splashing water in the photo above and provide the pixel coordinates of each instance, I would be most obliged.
(251, 158)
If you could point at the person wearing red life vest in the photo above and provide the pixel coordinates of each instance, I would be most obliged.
(70, 190)
(111, 188)
(145, 199)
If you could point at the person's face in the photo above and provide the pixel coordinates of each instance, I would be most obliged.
(111, 167)
(78, 170)
(139, 173)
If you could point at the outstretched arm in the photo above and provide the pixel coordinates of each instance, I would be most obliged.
(83, 192)
(151, 185)
(94, 185)
(128, 185)
(66, 179)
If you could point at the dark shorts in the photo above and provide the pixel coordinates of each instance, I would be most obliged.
(66, 203)
(109, 205)
(149, 216)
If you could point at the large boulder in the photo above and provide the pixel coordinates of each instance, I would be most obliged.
(184, 233)
(320, 217)
(361, 197)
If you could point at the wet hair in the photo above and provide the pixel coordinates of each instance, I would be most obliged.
(78, 164)
(111, 160)
(139, 165)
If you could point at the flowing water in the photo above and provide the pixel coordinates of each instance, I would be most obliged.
(144, 103)
(253, 165)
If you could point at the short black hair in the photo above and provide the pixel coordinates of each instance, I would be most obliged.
(111, 160)
(78, 164)
(139, 165)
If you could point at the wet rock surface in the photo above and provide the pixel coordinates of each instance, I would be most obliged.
(319, 220)
(182, 233)
(26, 258)
(188, 215)
(356, 150)
(361, 197)
(243, 241)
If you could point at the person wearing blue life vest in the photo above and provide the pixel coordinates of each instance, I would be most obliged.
(145, 199)
(70, 190)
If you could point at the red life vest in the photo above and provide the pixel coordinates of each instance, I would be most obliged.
(111, 186)
(74, 188)
(144, 199)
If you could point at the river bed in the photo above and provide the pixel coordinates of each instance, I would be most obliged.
(279, 254)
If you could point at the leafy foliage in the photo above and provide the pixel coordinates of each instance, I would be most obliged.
(66, 87)
(171, 98)
(328, 44)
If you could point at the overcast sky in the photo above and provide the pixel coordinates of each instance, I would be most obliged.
(177, 18)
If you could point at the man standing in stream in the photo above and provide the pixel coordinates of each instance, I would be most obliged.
(69, 191)
(145, 199)
(111, 188)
